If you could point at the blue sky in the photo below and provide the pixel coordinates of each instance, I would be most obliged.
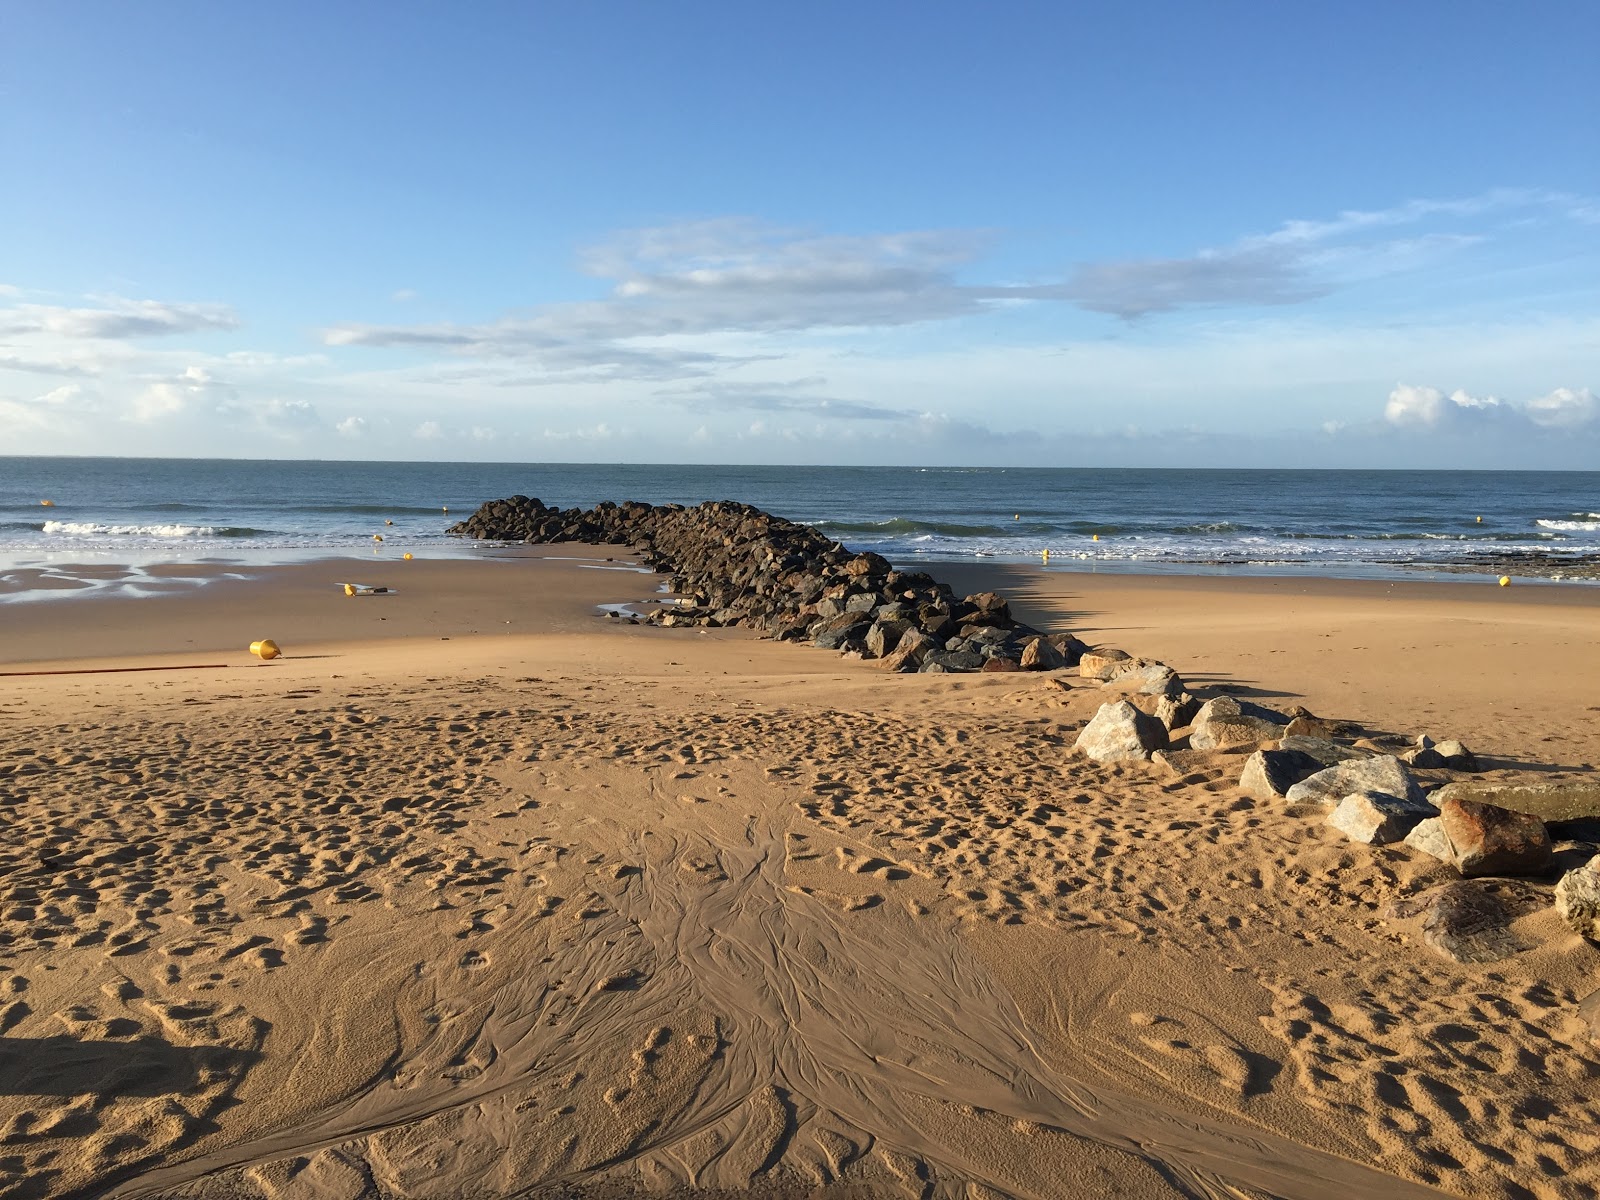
(1167, 234)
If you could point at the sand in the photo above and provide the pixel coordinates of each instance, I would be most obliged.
(443, 906)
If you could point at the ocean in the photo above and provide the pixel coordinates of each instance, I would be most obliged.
(1331, 523)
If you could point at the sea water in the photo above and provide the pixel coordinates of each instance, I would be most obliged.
(1335, 523)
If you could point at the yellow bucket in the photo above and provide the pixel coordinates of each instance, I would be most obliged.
(264, 649)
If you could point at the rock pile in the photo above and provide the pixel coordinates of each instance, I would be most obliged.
(738, 566)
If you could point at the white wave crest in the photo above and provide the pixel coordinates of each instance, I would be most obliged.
(1571, 526)
(96, 529)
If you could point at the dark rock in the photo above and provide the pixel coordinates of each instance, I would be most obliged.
(1001, 664)
(909, 651)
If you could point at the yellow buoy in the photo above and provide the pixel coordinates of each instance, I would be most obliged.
(1017, 517)
(447, 508)
(264, 649)
(349, 589)
(1480, 520)
(377, 537)
(1505, 581)
(1045, 554)
(48, 503)
(406, 556)
(388, 522)
(1097, 537)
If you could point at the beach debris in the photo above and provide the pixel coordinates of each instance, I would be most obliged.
(1385, 774)
(364, 589)
(265, 649)
(1578, 899)
(1374, 819)
(1269, 774)
(1119, 732)
(1483, 839)
(1226, 721)
(1462, 920)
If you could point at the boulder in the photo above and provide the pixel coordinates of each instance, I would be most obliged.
(1484, 839)
(1176, 711)
(998, 663)
(1578, 898)
(909, 651)
(1103, 665)
(1462, 920)
(1306, 725)
(1374, 819)
(1551, 801)
(841, 629)
(1269, 774)
(1147, 679)
(1225, 721)
(1118, 732)
(1385, 775)
(1457, 757)
(1041, 655)
(1327, 752)
(884, 636)
(954, 660)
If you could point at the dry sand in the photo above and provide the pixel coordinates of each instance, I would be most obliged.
(441, 906)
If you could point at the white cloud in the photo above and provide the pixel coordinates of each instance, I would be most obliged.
(428, 431)
(1564, 408)
(118, 319)
(1428, 408)
(351, 427)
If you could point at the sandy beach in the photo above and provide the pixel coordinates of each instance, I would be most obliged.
(476, 892)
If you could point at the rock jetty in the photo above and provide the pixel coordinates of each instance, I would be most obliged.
(735, 565)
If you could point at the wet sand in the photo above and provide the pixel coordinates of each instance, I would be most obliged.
(438, 905)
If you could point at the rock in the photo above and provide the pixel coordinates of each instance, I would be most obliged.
(954, 660)
(1385, 774)
(1374, 819)
(1225, 721)
(1176, 711)
(1428, 836)
(841, 629)
(884, 636)
(1328, 753)
(1119, 731)
(909, 652)
(1041, 655)
(1071, 648)
(1457, 757)
(1484, 839)
(1000, 664)
(1424, 758)
(1551, 801)
(1103, 665)
(1462, 921)
(1578, 898)
(1306, 725)
(1146, 678)
(863, 602)
(1269, 774)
